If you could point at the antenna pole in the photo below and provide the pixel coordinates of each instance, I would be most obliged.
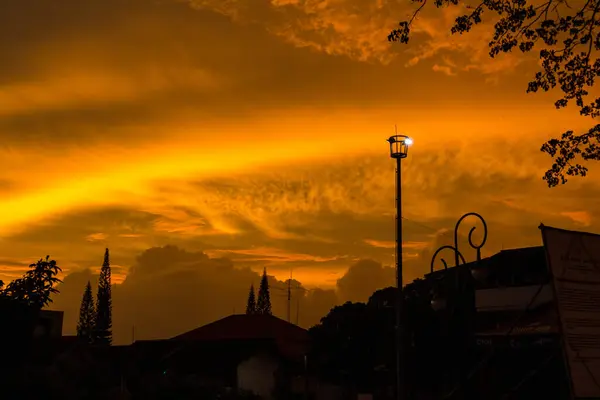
(289, 302)
(298, 311)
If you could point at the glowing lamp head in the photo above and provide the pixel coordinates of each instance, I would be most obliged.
(399, 146)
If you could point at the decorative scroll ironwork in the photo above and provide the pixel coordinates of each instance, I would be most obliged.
(483, 240)
(458, 257)
(453, 248)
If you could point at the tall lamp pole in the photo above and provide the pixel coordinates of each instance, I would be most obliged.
(398, 150)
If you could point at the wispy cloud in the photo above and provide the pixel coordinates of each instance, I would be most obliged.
(342, 27)
(391, 245)
(583, 218)
(359, 29)
(96, 237)
(95, 88)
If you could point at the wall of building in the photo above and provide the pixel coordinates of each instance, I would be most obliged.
(49, 324)
(513, 298)
(257, 375)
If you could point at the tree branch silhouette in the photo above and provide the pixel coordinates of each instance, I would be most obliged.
(567, 39)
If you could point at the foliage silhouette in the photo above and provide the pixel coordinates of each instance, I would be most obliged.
(20, 305)
(86, 325)
(354, 342)
(567, 38)
(344, 345)
(251, 304)
(103, 322)
(263, 304)
(37, 286)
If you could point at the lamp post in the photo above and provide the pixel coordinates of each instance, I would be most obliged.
(398, 150)
(458, 305)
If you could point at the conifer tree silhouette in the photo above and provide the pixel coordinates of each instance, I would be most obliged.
(251, 305)
(103, 325)
(263, 304)
(85, 326)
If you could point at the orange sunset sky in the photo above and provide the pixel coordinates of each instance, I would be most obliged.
(251, 134)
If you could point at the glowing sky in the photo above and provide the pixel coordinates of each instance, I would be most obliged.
(256, 131)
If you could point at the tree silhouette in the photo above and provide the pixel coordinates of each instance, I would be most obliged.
(263, 304)
(103, 323)
(567, 38)
(346, 340)
(251, 305)
(37, 286)
(354, 342)
(86, 326)
(20, 305)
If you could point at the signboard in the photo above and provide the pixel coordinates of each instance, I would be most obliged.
(574, 262)
(517, 342)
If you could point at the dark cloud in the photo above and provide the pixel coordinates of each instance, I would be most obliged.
(315, 305)
(78, 225)
(363, 278)
(12, 263)
(170, 290)
(167, 279)
(87, 233)
(121, 73)
(100, 68)
(29, 23)
(7, 185)
(323, 216)
(152, 262)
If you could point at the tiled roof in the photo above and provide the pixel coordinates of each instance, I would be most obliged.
(290, 339)
(522, 256)
(244, 326)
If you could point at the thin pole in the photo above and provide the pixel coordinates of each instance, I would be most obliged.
(289, 299)
(306, 388)
(122, 385)
(400, 370)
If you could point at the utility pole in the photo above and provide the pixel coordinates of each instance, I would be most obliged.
(298, 311)
(289, 299)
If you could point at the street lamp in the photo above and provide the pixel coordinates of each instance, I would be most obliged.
(399, 146)
(399, 149)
